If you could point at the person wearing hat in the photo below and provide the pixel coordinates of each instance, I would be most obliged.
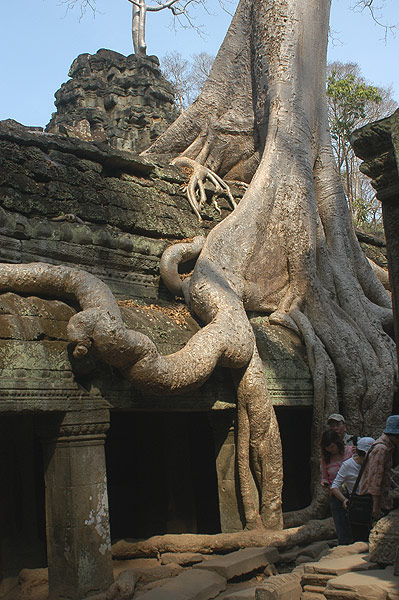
(336, 422)
(376, 476)
(342, 487)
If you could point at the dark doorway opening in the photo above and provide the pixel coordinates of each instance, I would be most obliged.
(161, 474)
(295, 431)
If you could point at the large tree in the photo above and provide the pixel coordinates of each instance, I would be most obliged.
(287, 250)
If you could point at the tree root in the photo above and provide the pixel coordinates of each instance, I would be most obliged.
(223, 542)
(172, 257)
(195, 186)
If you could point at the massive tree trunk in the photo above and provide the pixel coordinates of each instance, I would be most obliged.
(288, 250)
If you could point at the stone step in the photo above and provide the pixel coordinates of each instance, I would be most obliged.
(194, 584)
(318, 579)
(315, 589)
(380, 584)
(339, 566)
(312, 596)
(240, 562)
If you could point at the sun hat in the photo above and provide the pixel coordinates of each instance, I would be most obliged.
(364, 443)
(336, 417)
(392, 425)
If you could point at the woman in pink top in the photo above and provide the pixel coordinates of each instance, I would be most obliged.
(333, 454)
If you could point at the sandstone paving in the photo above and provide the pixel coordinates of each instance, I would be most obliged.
(240, 562)
(193, 584)
(378, 584)
(339, 566)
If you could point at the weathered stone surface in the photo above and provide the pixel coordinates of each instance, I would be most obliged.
(384, 539)
(121, 100)
(195, 584)
(341, 551)
(374, 585)
(280, 587)
(181, 558)
(240, 562)
(312, 596)
(339, 566)
(246, 594)
(315, 589)
(32, 584)
(313, 578)
(377, 144)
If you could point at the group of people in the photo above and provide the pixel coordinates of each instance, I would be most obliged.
(353, 467)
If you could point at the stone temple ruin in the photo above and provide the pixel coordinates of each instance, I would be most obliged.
(75, 432)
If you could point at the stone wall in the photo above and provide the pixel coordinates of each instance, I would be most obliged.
(377, 144)
(123, 101)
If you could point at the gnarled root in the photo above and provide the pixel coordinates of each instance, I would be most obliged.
(172, 257)
(258, 443)
(224, 542)
(195, 186)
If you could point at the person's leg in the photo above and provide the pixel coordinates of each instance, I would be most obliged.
(340, 521)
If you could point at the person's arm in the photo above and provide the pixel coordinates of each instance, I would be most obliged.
(376, 507)
(324, 474)
(337, 484)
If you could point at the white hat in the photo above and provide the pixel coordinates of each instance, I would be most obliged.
(336, 417)
(364, 443)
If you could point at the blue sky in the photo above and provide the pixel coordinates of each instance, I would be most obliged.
(39, 40)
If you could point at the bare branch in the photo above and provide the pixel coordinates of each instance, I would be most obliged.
(374, 10)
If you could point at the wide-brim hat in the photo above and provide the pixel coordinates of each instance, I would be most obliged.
(392, 425)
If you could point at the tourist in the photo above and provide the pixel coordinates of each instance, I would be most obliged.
(376, 479)
(336, 422)
(342, 487)
(333, 454)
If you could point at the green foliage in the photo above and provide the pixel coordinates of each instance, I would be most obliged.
(352, 102)
(350, 96)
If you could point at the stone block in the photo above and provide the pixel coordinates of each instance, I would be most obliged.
(312, 596)
(315, 589)
(384, 539)
(319, 579)
(246, 594)
(195, 584)
(339, 566)
(181, 558)
(315, 550)
(240, 562)
(379, 584)
(280, 587)
(340, 551)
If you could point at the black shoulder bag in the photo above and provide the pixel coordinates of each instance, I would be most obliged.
(360, 508)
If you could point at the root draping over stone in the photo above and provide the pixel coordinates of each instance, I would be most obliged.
(223, 542)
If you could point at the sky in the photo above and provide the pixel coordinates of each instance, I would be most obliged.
(39, 39)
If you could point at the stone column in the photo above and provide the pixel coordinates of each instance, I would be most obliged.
(77, 523)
